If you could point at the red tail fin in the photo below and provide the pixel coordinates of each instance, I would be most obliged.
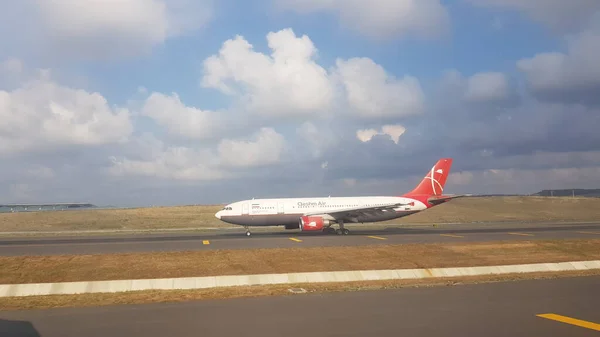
(434, 181)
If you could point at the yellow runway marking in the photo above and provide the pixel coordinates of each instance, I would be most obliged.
(572, 321)
(522, 234)
(376, 237)
(597, 233)
(206, 242)
(294, 239)
(452, 235)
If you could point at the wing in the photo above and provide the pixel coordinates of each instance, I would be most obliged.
(349, 213)
(360, 211)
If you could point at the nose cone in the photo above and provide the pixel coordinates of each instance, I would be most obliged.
(218, 215)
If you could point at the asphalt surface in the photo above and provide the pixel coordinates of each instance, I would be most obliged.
(361, 235)
(495, 309)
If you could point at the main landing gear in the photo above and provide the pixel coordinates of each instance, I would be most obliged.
(339, 231)
(247, 231)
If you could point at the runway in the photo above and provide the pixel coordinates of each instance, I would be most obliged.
(360, 235)
(495, 309)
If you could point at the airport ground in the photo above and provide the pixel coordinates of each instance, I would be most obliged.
(188, 218)
(464, 232)
(123, 266)
(551, 307)
(361, 235)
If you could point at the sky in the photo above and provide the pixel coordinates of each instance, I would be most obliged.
(168, 102)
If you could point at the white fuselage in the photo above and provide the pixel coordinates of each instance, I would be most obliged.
(287, 211)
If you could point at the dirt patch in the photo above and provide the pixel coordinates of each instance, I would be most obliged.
(141, 297)
(465, 210)
(63, 268)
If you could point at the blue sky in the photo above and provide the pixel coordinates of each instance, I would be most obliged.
(165, 102)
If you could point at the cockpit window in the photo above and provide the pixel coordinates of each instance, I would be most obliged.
(226, 209)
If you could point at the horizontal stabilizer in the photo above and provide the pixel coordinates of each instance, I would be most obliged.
(436, 200)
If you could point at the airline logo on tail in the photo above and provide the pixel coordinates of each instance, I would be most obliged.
(433, 183)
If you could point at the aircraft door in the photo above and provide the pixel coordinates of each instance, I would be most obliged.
(280, 207)
(245, 209)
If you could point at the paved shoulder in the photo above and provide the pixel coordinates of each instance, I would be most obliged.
(497, 309)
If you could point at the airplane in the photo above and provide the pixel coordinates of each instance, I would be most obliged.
(320, 214)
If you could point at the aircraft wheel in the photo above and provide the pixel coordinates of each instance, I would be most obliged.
(248, 233)
(346, 231)
(339, 231)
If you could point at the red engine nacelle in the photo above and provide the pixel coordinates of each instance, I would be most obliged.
(312, 223)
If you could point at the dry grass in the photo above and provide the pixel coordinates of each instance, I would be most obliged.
(141, 297)
(485, 209)
(32, 269)
(491, 209)
(137, 218)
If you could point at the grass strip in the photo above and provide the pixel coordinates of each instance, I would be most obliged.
(173, 296)
(64, 268)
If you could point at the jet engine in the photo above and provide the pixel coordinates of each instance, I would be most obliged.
(313, 223)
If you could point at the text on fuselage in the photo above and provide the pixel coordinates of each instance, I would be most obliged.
(309, 204)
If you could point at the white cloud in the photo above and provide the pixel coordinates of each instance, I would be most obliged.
(371, 92)
(200, 164)
(381, 18)
(366, 135)
(265, 149)
(394, 131)
(287, 82)
(43, 114)
(319, 139)
(290, 82)
(515, 174)
(179, 119)
(574, 73)
(487, 86)
(561, 15)
(177, 163)
(482, 87)
(106, 29)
